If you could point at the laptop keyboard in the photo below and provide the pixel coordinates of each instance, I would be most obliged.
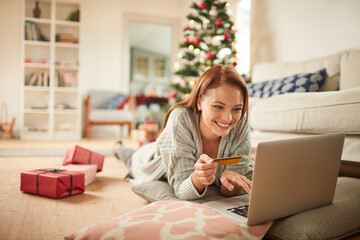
(240, 210)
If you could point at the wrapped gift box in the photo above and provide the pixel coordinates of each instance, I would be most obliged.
(88, 169)
(80, 155)
(151, 130)
(55, 183)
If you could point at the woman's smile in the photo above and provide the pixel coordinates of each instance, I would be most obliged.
(223, 125)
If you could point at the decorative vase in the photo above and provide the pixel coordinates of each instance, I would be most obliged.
(37, 10)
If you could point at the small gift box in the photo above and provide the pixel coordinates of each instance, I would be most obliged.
(55, 183)
(80, 155)
(151, 130)
(88, 169)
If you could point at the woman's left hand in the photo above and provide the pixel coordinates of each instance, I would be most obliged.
(232, 183)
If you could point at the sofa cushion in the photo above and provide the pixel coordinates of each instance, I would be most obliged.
(350, 70)
(274, 70)
(116, 102)
(351, 150)
(171, 219)
(335, 221)
(107, 115)
(161, 190)
(319, 112)
(302, 82)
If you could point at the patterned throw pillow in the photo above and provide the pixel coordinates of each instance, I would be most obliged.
(116, 102)
(302, 82)
(172, 220)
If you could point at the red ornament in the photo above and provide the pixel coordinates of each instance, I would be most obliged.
(226, 37)
(197, 41)
(188, 27)
(209, 56)
(148, 122)
(172, 95)
(202, 5)
(218, 22)
(234, 64)
(187, 40)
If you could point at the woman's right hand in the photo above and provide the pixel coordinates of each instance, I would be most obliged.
(204, 173)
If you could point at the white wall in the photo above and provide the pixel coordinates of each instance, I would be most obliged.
(10, 54)
(295, 30)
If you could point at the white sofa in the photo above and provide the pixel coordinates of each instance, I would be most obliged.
(335, 108)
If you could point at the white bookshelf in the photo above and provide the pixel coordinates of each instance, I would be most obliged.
(50, 76)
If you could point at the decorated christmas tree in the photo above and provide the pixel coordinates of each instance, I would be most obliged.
(209, 39)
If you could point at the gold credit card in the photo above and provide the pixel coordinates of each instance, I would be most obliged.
(227, 160)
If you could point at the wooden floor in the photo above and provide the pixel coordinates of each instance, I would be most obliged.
(27, 216)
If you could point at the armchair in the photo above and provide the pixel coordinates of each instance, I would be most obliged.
(95, 114)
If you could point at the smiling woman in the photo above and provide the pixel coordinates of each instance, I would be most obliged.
(210, 123)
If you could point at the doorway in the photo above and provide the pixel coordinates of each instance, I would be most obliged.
(149, 53)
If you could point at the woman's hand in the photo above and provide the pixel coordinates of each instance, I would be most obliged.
(204, 173)
(232, 183)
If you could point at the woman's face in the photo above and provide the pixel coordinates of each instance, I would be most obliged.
(220, 110)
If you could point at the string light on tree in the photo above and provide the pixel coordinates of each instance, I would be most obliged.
(208, 32)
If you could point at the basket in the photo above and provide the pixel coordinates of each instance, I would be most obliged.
(5, 126)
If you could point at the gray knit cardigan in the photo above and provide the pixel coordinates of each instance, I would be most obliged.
(179, 146)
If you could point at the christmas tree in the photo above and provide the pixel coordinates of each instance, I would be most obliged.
(208, 40)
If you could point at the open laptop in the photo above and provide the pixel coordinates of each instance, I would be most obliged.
(290, 176)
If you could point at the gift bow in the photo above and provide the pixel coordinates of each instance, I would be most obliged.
(55, 170)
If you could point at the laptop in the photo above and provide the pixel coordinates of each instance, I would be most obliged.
(290, 176)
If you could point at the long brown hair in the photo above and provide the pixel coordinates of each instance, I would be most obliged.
(210, 79)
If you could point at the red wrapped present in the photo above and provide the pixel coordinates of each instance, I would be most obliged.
(80, 155)
(55, 183)
(88, 169)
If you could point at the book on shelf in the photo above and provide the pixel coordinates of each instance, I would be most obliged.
(33, 32)
(33, 79)
(74, 16)
(65, 38)
(40, 79)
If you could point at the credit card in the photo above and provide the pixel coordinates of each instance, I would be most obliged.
(227, 160)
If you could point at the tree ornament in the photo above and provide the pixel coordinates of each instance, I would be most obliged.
(188, 27)
(234, 64)
(187, 40)
(202, 5)
(218, 22)
(226, 36)
(213, 11)
(209, 56)
(197, 41)
(172, 95)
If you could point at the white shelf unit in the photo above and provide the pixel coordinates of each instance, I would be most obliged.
(50, 78)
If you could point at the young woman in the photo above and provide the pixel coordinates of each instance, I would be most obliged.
(209, 124)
